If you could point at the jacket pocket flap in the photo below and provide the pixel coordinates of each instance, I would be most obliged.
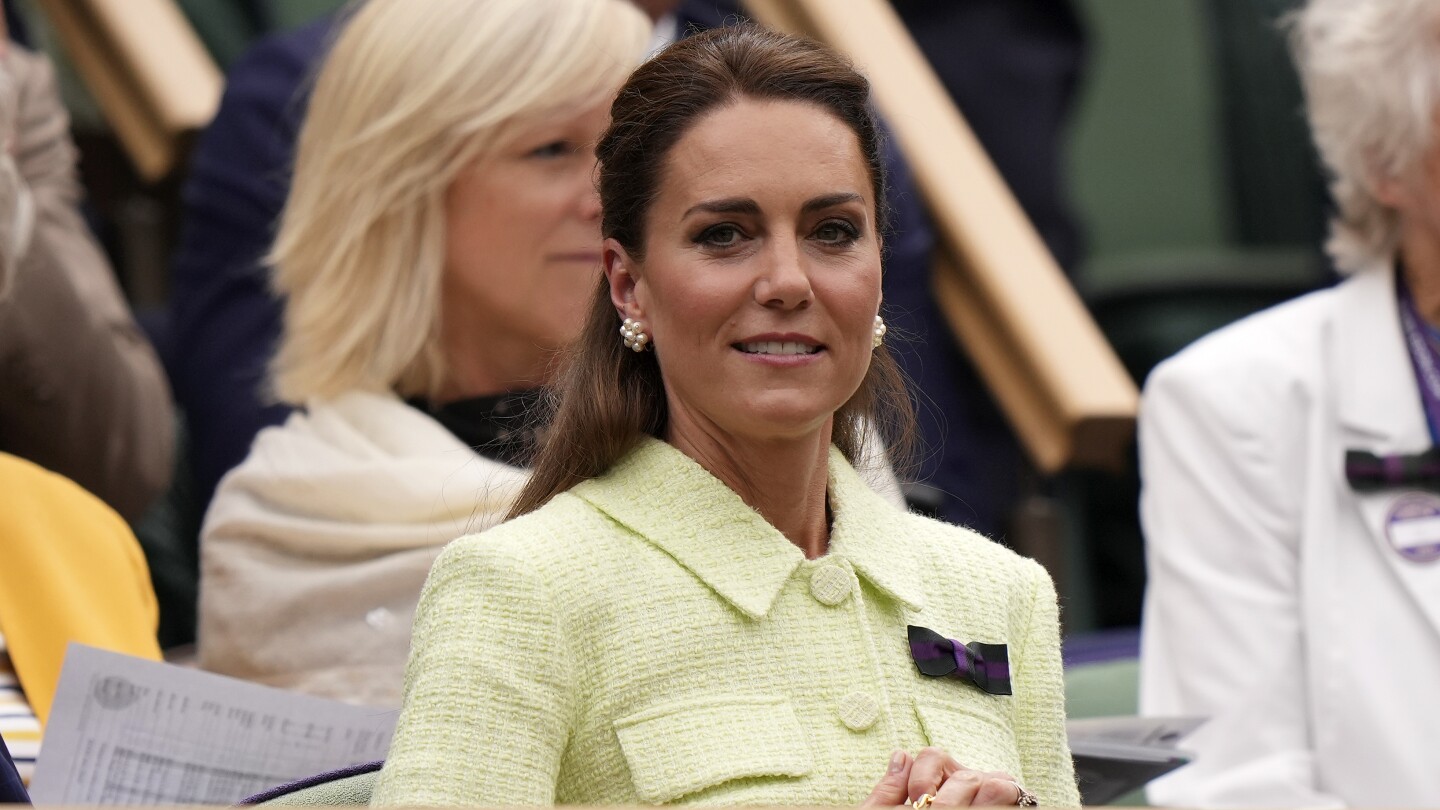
(978, 735)
(679, 748)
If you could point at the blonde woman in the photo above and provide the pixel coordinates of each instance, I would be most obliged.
(438, 245)
(1290, 502)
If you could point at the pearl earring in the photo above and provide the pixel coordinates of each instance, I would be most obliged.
(634, 335)
(880, 330)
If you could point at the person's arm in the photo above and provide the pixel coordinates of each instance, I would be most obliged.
(225, 321)
(1222, 458)
(489, 690)
(84, 394)
(1039, 686)
(12, 789)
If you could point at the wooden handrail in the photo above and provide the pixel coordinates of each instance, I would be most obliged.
(1014, 312)
(149, 72)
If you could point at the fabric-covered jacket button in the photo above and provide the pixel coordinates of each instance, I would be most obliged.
(858, 711)
(830, 584)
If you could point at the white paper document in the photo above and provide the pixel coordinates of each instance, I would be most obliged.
(128, 731)
(1157, 734)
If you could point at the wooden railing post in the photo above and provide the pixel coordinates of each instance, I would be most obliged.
(149, 72)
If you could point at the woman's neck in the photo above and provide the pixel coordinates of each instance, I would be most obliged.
(1420, 251)
(479, 363)
(784, 480)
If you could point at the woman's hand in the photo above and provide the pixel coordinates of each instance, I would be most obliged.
(938, 775)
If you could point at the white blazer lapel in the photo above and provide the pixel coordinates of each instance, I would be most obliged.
(1379, 411)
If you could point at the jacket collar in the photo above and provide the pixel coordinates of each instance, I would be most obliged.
(869, 532)
(1377, 396)
(677, 506)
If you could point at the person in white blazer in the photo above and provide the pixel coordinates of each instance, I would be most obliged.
(1292, 521)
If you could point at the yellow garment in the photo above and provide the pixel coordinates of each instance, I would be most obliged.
(648, 638)
(70, 570)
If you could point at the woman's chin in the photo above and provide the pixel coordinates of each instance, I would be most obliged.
(783, 421)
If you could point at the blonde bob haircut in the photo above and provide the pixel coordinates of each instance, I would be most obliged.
(1371, 73)
(413, 92)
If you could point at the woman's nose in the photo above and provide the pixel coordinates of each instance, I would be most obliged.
(784, 282)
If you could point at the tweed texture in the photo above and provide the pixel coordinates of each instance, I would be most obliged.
(647, 638)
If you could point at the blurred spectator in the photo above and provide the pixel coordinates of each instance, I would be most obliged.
(438, 245)
(1012, 67)
(72, 571)
(1289, 465)
(84, 393)
(225, 321)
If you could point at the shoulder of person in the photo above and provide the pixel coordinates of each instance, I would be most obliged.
(38, 113)
(23, 63)
(285, 57)
(946, 546)
(357, 426)
(51, 495)
(267, 91)
(935, 545)
(554, 542)
(1265, 359)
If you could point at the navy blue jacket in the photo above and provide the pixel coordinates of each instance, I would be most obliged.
(12, 790)
(224, 320)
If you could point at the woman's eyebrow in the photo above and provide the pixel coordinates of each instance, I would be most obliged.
(745, 205)
(831, 200)
(729, 205)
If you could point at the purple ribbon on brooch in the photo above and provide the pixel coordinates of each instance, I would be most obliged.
(987, 666)
(1368, 472)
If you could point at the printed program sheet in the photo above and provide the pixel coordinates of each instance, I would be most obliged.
(128, 731)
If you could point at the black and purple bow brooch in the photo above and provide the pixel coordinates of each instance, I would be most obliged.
(987, 666)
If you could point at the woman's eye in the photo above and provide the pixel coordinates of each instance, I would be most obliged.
(837, 232)
(720, 236)
(551, 150)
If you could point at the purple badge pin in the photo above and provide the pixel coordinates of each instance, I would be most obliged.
(1412, 526)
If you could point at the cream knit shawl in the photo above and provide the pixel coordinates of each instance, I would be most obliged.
(315, 548)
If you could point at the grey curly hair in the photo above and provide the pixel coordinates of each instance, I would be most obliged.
(1371, 73)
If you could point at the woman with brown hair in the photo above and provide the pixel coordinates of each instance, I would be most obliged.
(698, 599)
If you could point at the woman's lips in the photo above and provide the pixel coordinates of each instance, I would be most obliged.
(783, 349)
(778, 347)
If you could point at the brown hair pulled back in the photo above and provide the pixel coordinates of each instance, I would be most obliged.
(607, 397)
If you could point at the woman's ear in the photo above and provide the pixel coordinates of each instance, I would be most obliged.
(1391, 187)
(620, 273)
(1392, 192)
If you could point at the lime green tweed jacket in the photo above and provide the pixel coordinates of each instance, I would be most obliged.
(647, 638)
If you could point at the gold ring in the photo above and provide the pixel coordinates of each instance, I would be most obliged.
(924, 801)
(1024, 798)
